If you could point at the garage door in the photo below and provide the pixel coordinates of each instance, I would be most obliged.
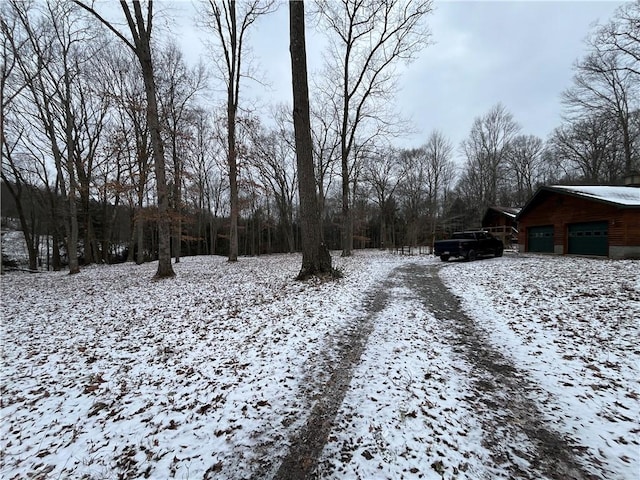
(589, 238)
(540, 239)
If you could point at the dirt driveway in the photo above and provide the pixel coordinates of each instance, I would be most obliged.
(517, 441)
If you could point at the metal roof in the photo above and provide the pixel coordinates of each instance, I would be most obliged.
(508, 211)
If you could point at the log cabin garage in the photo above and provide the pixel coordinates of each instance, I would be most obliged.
(582, 220)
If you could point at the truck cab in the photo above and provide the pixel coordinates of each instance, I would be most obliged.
(469, 245)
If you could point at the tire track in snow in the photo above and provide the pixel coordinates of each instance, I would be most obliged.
(520, 440)
(308, 444)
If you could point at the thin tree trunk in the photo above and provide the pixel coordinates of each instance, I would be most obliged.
(233, 179)
(232, 109)
(347, 231)
(139, 239)
(83, 189)
(177, 199)
(164, 221)
(347, 227)
(72, 241)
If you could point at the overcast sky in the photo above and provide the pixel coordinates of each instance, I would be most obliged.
(519, 53)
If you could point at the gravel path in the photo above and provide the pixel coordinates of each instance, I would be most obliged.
(514, 427)
(515, 433)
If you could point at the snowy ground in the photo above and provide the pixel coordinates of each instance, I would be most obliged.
(574, 324)
(108, 374)
(15, 247)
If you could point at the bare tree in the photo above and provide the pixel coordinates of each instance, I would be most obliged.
(14, 44)
(230, 28)
(274, 158)
(315, 255)
(179, 87)
(621, 35)
(601, 89)
(383, 173)
(55, 105)
(525, 160)
(326, 148)
(439, 172)
(140, 28)
(486, 151)
(12, 175)
(89, 111)
(413, 193)
(207, 173)
(367, 39)
(12, 83)
(589, 150)
(130, 143)
(607, 80)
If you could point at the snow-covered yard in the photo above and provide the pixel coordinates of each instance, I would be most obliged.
(107, 374)
(574, 324)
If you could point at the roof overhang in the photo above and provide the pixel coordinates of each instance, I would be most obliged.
(619, 197)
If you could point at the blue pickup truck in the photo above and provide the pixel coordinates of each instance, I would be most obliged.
(468, 245)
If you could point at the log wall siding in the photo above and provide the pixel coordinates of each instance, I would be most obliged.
(494, 218)
(497, 220)
(560, 210)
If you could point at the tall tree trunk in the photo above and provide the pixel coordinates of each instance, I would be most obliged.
(230, 25)
(232, 110)
(72, 233)
(233, 178)
(110, 222)
(164, 221)
(347, 226)
(72, 240)
(177, 199)
(215, 225)
(82, 181)
(315, 255)
(201, 235)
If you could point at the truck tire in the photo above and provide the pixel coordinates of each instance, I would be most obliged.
(444, 258)
(499, 251)
(471, 256)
